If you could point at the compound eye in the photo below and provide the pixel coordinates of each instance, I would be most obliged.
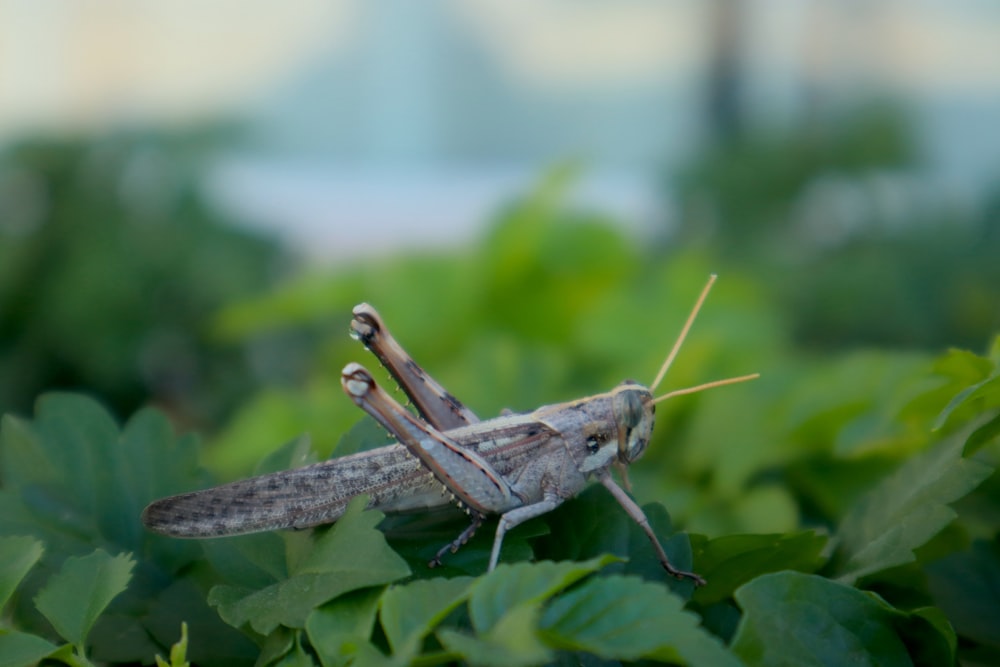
(628, 409)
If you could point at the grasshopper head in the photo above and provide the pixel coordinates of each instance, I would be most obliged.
(634, 409)
(634, 413)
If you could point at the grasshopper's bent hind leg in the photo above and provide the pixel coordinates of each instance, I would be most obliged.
(437, 406)
(469, 477)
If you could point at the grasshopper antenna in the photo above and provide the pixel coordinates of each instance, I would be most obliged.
(677, 346)
(707, 385)
(684, 332)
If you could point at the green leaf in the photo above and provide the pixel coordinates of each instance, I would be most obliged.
(965, 585)
(20, 649)
(54, 473)
(982, 436)
(833, 485)
(339, 629)
(253, 561)
(905, 510)
(71, 478)
(276, 645)
(298, 656)
(76, 595)
(17, 556)
(626, 618)
(928, 636)
(509, 586)
(803, 619)
(964, 366)
(408, 613)
(350, 555)
(980, 396)
(730, 561)
(149, 461)
(366, 654)
(178, 652)
(211, 641)
(512, 642)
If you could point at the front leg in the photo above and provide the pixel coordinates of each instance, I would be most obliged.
(639, 517)
(516, 517)
(438, 407)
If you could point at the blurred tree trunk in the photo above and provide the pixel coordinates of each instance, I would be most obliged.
(723, 103)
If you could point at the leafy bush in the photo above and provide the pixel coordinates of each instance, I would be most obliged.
(842, 509)
(882, 254)
(111, 263)
(890, 585)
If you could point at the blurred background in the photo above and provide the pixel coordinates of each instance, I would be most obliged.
(194, 194)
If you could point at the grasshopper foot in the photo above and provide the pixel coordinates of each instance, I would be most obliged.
(682, 575)
(454, 545)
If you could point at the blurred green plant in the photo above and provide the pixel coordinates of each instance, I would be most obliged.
(742, 192)
(837, 220)
(110, 264)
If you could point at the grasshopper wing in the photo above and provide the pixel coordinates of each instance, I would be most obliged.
(299, 498)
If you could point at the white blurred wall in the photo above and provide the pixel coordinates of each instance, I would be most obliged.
(394, 122)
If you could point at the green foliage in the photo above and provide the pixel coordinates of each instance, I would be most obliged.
(96, 580)
(749, 183)
(800, 619)
(409, 612)
(17, 556)
(71, 601)
(732, 560)
(178, 652)
(315, 573)
(905, 510)
(74, 482)
(109, 254)
(342, 593)
(20, 649)
(840, 507)
(964, 585)
(879, 255)
(625, 618)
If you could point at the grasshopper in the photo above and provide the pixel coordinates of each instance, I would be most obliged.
(519, 466)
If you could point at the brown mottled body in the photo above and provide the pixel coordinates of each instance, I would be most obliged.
(319, 493)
